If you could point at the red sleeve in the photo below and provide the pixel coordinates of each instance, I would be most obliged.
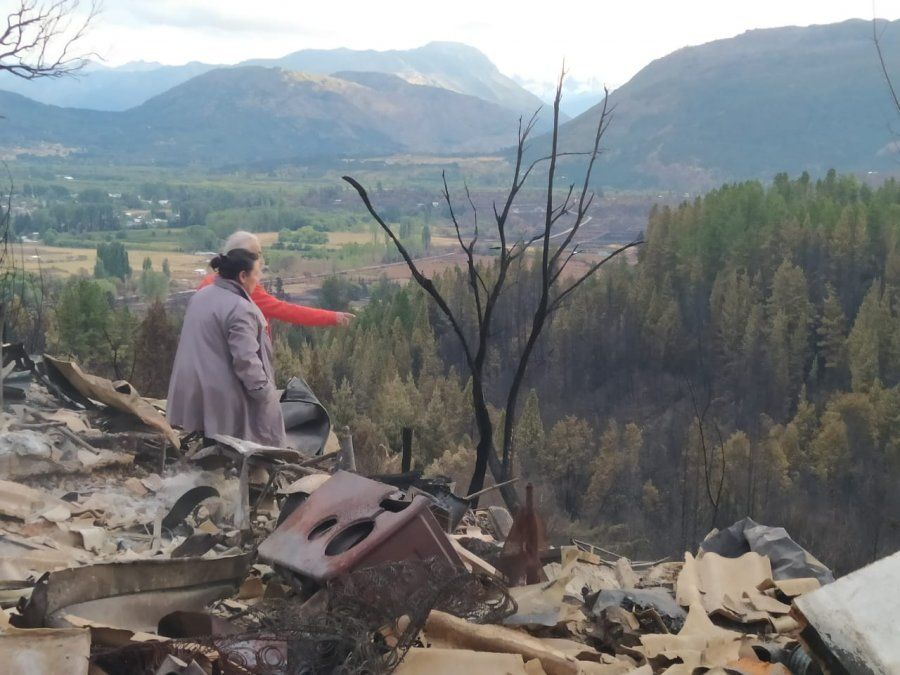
(273, 308)
(207, 280)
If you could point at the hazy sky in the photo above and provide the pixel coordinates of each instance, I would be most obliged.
(606, 42)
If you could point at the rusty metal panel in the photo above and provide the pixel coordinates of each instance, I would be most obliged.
(352, 522)
(520, 559)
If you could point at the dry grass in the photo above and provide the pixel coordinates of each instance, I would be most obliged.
(338, 239)
(335, 239)
(417, 160)
(65, 261)
(445, 242)
(267, 238)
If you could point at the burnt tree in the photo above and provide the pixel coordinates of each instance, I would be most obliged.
(40, 37)
(38, 41)
(556, 281)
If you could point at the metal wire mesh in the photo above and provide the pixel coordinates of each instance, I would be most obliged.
(371, 619)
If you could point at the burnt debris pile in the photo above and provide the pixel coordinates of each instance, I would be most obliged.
(126, 547)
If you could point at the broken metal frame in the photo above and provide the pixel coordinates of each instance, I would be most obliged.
(247, 455)
(56, 592)
(587, 547)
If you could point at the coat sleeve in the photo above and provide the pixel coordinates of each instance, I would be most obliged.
(243, 343)
(273, 308)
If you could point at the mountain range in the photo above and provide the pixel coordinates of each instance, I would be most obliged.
(265, 116)
(784, 99)
(447, 65)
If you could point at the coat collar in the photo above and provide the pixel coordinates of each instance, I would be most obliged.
(234, 287)
(231, 285)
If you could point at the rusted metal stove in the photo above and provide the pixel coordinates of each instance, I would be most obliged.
(352, 522)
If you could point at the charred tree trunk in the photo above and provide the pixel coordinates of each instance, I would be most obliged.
(553, 290)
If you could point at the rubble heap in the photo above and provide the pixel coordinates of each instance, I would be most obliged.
(128, 548)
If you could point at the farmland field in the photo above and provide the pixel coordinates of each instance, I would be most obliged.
(184, 266)
(64, 261)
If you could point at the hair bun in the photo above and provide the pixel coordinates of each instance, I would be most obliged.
(229, 265)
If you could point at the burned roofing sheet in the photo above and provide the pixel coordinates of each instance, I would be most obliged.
(852, 624)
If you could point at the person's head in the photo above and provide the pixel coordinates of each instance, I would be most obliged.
(245, 240)
(239, 265)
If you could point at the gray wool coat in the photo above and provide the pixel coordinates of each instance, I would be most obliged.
(222, 381)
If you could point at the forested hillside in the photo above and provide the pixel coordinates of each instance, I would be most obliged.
(747, 365)
(251, 114)
(779, 99)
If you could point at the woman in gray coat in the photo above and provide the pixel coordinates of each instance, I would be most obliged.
(222, 381)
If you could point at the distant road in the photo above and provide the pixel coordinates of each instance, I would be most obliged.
(494, 244)
(369, 268)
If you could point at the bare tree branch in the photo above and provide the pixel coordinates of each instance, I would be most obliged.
(539, 160)
(562, 209)
(474, 219)
(40, 36)
(36, 42)
(876, 38)
(6, 221)
(517, 181)
(540, 313)
(561, 268)
(585, 198)
(721, 487)
(423, 281)
(487, 292)
(474, 276)
(474, 240)
(548, 224)
(707, 458)
(590, 272)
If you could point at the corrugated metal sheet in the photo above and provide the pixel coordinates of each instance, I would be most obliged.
(856, 618)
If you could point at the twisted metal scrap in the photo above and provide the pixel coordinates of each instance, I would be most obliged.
(395, 598)
(325, 644)
(373, 617)
(328, 642)
(414, 587)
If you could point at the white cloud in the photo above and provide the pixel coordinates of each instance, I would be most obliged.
(203, 15)
(604, 41)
